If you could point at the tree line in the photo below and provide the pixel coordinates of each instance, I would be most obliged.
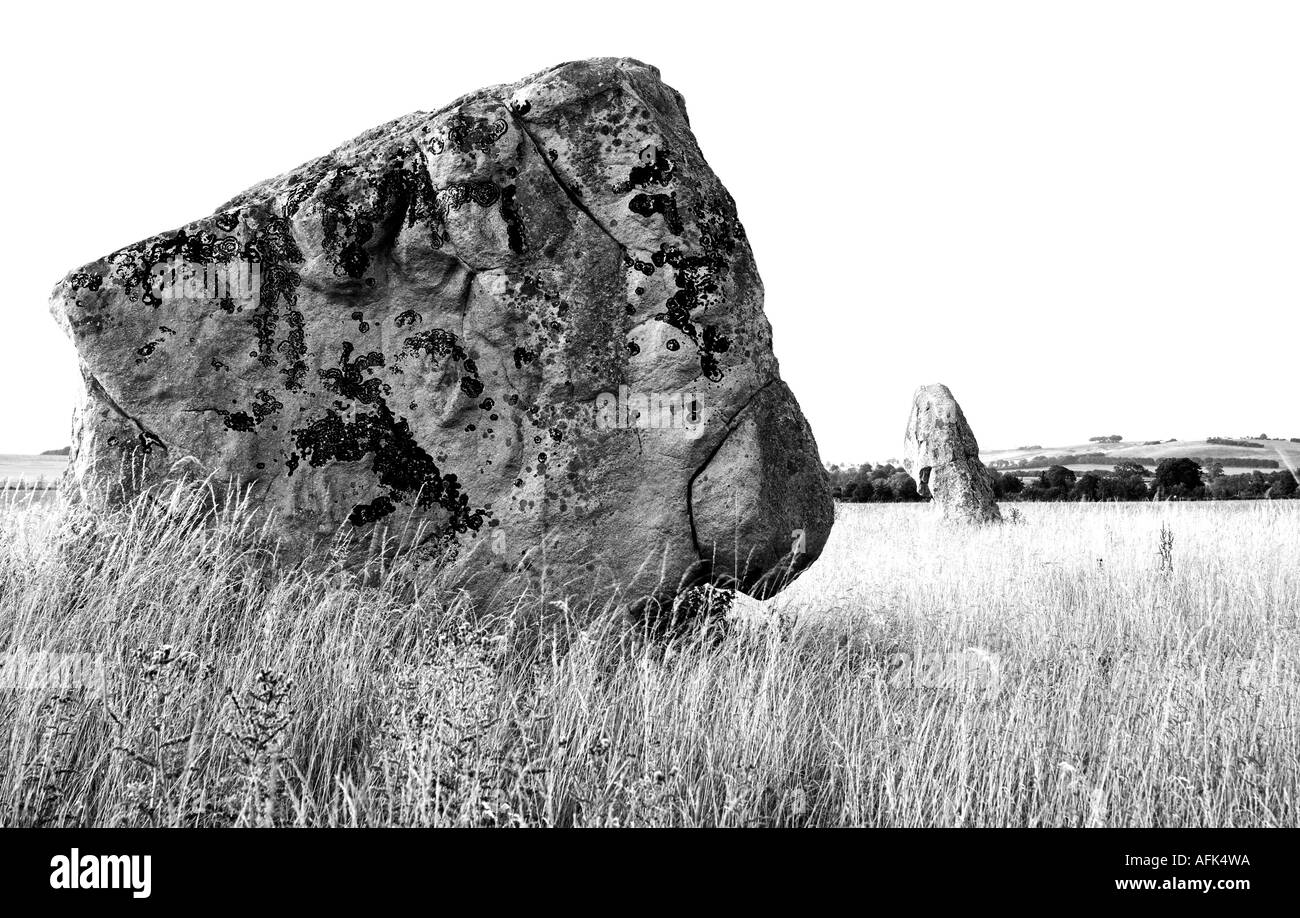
(1171, 479)
(861, 484)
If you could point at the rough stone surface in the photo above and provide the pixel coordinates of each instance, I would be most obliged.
(472, 328)
(940, 452)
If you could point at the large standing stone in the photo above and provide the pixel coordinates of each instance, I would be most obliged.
(940, 452)
(527, 325)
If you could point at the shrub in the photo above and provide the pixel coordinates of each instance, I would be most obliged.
(1178, 478)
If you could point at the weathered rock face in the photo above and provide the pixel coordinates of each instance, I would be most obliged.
(940, 452)
(528, 324)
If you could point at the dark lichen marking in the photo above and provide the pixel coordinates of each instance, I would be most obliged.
(637, 264)
(348, 379)
(238, 420)
(471, 386)
(657, 171)
(698, 284)
(132, 267)
(301, 186)
(85, 281)
(400, 194)
(294, 349)
(699, 278)
(646, 205)
(372, 512)
(458, 194)
(513, 219)
(345, 227)
(400, 465)
(265, 404)
(272, 247)
(523, 356)
(486, 193)
(439, 344)
(467, 133)
(146, 350)
(269, 243)
(407, 318)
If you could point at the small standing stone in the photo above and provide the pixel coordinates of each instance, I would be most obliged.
(940, 452)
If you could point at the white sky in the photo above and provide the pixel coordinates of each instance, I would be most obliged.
(1083, 218)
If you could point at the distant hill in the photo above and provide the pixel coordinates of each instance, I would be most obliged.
(66, 451)
(1238, 454)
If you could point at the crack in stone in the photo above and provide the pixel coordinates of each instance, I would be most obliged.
(146, 435)
(573, 196)
(690, 484)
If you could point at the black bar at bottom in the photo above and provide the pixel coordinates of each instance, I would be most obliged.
(375, 866)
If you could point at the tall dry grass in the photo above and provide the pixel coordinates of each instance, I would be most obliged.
(1089, 665)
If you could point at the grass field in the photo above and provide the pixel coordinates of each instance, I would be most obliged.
(1088, 665)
